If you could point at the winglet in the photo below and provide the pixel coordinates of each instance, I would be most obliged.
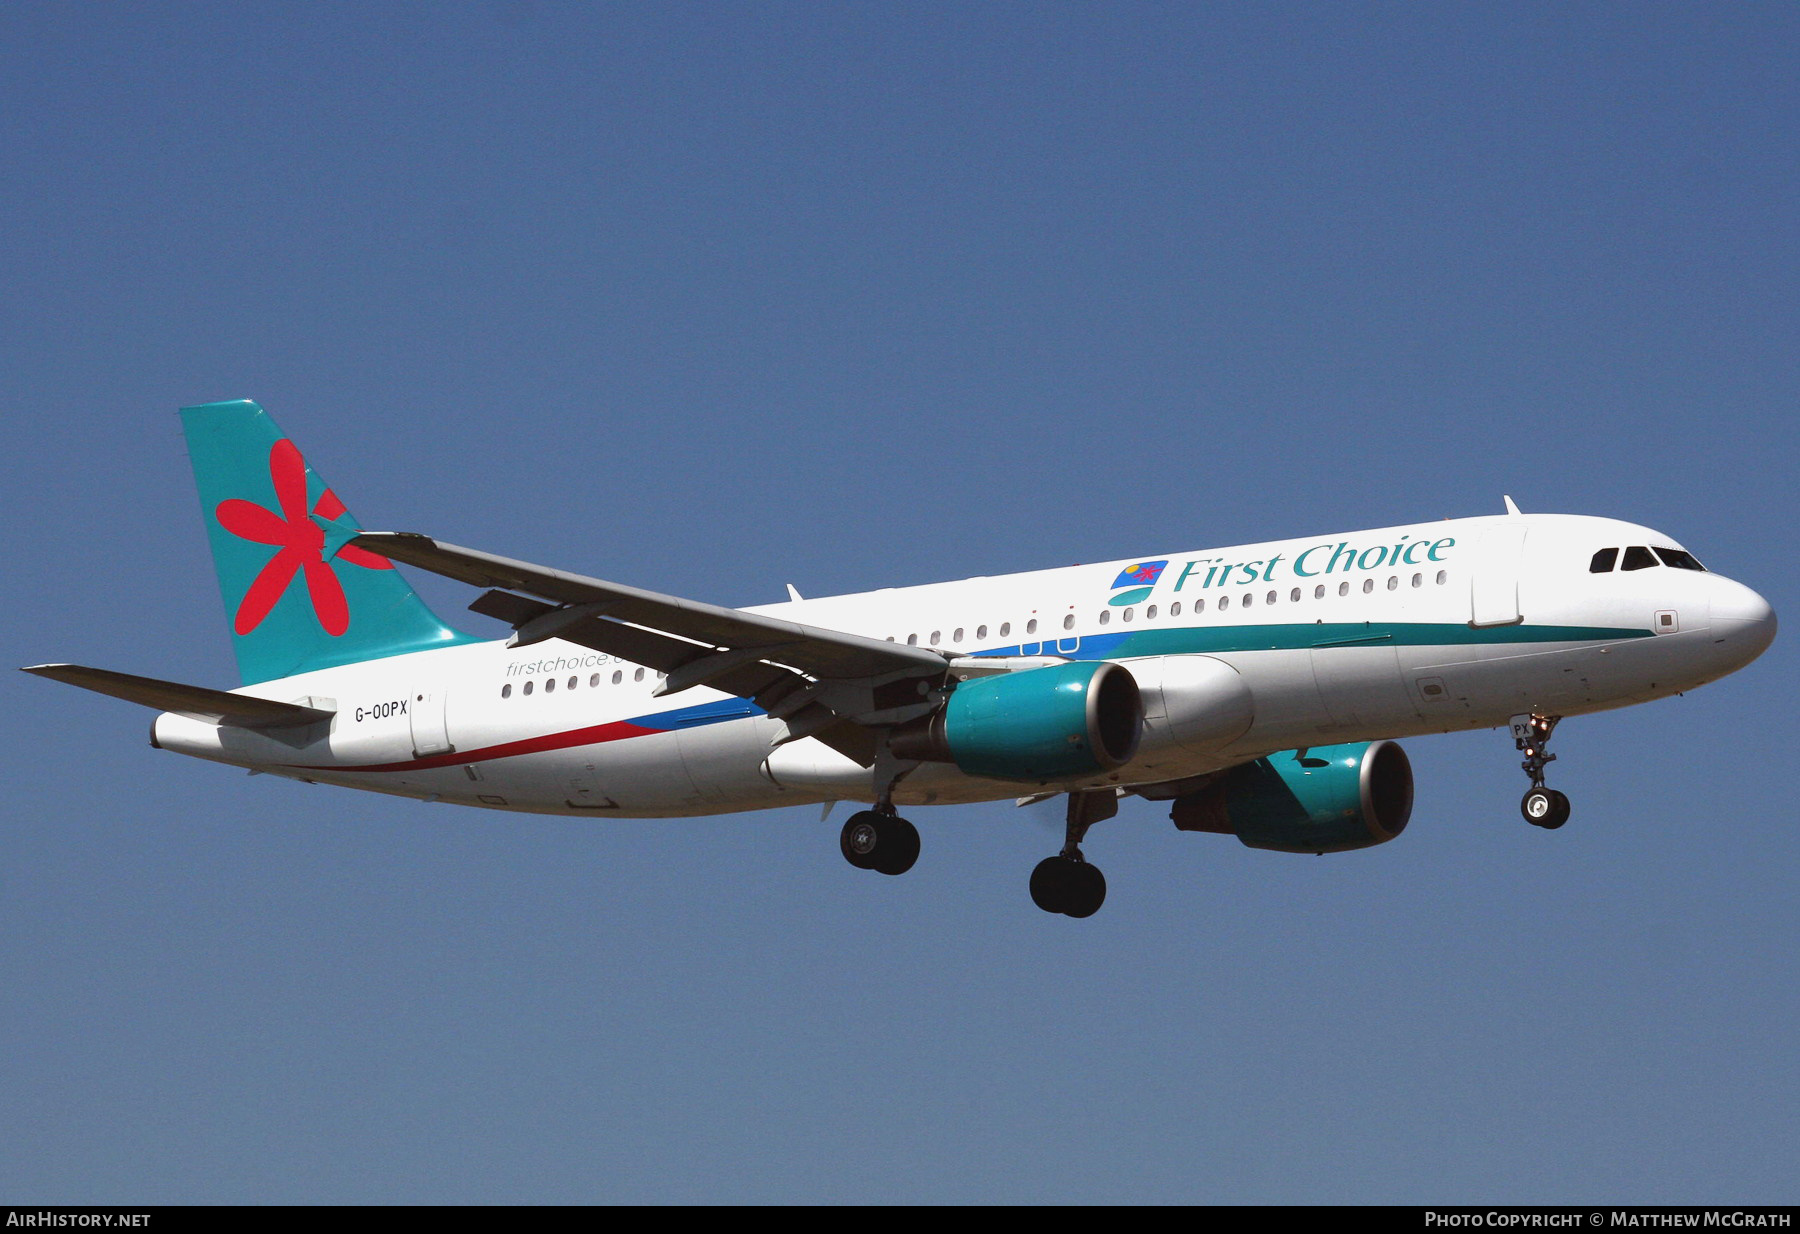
(338, 532)
(1511, 508)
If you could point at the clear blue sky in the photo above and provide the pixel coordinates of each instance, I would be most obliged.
(711, 298)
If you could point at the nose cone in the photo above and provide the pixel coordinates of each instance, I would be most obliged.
(1742, 621)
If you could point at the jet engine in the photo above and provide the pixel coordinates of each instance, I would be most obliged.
(1324, 799)
(1041, 725)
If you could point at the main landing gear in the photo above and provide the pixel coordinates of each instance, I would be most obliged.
(1066, 883)
(1541, 806)
(880, 840)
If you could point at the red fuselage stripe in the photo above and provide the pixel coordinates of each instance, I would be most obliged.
(597, 734)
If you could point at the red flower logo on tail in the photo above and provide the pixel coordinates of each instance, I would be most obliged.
(302, 544)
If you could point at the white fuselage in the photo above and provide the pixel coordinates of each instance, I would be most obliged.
(1239, 651)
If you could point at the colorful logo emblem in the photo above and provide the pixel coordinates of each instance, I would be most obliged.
(302, 545)
(1140, 578)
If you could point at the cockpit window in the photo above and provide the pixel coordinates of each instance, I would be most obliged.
(1679, 558)
(1639, 557)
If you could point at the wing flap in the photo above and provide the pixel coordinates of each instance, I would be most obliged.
(650, 648)
(835, 687)
(196, 702)
(813, 650)
(780, 691)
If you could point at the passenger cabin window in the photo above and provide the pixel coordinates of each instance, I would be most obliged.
(1031, 626)
(980, 631)
(1604, 561)
(550, 685)
(1175, 609)
(506, 691)
(1105, 617)
(1069, 622)
(1150, 613)
(638, 676)
(1637, 557)
(618, 676)
(1005, 628)
(1679, 558)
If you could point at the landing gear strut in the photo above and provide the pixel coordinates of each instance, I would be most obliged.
(1066, 883)
(1541, 806)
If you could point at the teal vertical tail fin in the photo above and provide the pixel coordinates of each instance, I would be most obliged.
(297, 595)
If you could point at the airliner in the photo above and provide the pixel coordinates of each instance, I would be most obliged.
(1253, 690)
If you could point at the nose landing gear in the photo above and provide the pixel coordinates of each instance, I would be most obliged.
(1541, 806)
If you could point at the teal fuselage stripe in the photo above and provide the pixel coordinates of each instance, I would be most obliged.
(1209, 639)
(1294, 636)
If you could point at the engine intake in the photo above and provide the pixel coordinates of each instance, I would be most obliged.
(1041, 725)
(1326, 799)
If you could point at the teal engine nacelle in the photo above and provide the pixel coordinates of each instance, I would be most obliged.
(1040, 725)
(1326, 799)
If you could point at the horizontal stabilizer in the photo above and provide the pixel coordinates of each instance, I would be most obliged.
(195, 702)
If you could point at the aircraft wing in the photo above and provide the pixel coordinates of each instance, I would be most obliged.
(196, 702)
(828, 684)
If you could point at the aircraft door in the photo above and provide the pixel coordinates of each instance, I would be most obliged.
(430, 729)
(1494, 576)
